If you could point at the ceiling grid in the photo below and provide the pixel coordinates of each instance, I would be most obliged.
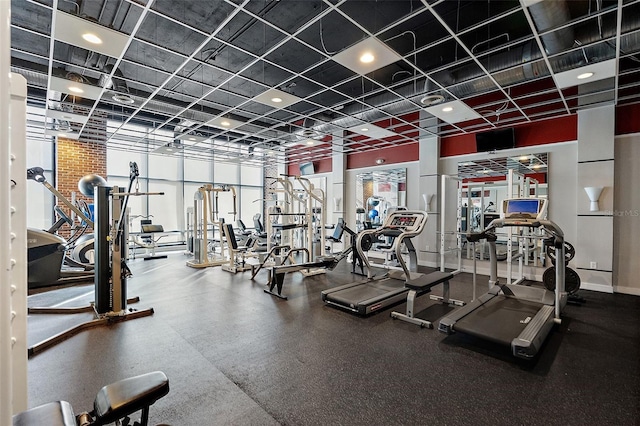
(189, 66)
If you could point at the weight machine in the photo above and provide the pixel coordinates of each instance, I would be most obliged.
(205, 212)
(111, 270)
(302, 211)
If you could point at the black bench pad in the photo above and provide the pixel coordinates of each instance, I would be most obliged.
(58, 413)
(127, 396)
(427, 281)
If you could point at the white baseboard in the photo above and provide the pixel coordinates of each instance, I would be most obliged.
(627, 290)
(596, 287)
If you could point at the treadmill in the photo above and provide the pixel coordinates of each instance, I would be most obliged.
(378, 292)
(514, 315)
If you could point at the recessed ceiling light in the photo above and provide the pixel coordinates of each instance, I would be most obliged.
(170, 149)
(276, 98)
(75, 89)
(367, 58)
(447, 109)
(192, 138)
(536, 166)
(364, 129)
(584, 75)
(310, 142)
(524, 157)
(225, 123)
(67, 117)
(92, 38)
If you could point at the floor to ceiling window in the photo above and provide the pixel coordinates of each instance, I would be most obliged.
(179, 178)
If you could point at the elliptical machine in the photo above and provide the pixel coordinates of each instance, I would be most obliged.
(48, 252)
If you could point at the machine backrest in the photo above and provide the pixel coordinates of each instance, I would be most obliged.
(257, 224)
(148, 228)
(241, 225)
(231, 236)
(337, 233)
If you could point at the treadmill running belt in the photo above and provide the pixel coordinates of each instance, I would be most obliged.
(500, 320)
(354, 296)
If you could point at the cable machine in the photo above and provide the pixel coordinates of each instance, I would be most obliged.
(205, 213)
(111, 270)
(299, 218)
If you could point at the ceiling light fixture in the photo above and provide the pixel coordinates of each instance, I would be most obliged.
(75, 89)
(92, 38)
(364, 129)
(367, 58)
(431, 100)
(310, 142)
(169, 149)
(380, 161)
(447, 109)
(123, 99)
(276, 100)
(523, 157)
(225, 123)
(584, 75)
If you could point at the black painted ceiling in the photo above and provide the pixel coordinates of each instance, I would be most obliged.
(186, 62)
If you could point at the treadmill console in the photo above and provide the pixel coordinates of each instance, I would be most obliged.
(523, 211)
(405, 221)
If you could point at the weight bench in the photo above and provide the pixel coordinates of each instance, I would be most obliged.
(114, 402)
(148, 231)
(423, 285)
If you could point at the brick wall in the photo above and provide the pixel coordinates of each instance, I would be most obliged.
(78, 158)
(75, 159)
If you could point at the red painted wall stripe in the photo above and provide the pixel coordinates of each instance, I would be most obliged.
(628, 119)
(560, 129)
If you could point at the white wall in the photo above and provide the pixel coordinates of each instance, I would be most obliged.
(626, 220)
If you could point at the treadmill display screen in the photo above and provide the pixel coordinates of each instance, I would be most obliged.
(403, 221)
(523, 208)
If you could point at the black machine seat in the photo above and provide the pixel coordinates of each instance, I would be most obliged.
(113, 402)
(148, 229)
(127, 396)
(420, 285)
(425, 282)
(58, 413)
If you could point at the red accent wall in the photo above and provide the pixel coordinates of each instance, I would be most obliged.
(391, 155)
(320, 166)
(628, 119)
(560, 129)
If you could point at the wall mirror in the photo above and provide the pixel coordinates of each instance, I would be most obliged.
(379, 190)
(486, 186)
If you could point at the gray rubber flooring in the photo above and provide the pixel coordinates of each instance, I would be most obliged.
(235, 355)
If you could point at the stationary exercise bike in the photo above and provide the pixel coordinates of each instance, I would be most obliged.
(114, 403)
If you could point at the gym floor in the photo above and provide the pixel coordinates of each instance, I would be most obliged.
(235, 355)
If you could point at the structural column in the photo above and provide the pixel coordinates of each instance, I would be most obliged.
(338, 191)
(594, 245)
(429, 241)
